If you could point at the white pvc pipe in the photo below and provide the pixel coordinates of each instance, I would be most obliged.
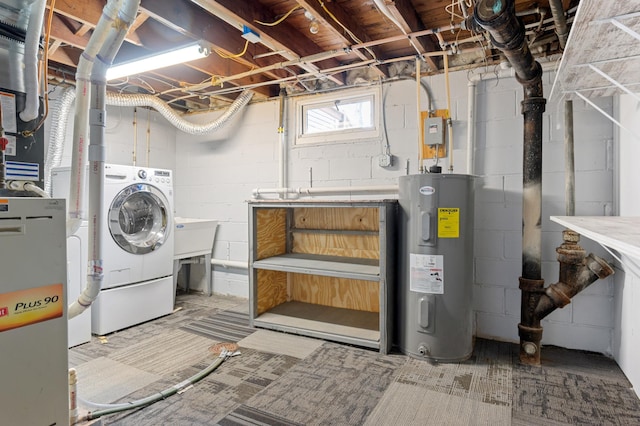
(230, 263)
(32, 41)
(125, 15)
(257, 192)
(472, 96)
(471, 125)
(80, 152)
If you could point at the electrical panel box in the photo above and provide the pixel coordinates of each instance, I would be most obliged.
(434, 130)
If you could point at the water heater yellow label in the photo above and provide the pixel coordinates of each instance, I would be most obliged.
(24, 307)
(449, 223)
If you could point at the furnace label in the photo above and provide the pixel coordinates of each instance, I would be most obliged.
(426, 273)
(25, 307)
(449, 223)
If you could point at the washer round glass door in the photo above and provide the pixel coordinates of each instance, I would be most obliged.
(139, 218)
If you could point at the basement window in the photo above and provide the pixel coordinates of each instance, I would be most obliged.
(345, 116)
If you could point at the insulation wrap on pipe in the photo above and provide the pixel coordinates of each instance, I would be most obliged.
(34, 30)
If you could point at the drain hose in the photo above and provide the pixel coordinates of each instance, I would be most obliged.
(117, 408)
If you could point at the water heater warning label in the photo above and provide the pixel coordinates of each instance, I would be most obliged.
(449, 223)
(426, 273)
(24, 307)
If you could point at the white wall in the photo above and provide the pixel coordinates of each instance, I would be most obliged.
(215, 175)
(119, 136)
(627, 289)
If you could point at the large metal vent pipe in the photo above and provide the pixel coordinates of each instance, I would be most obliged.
(507, 34)
(577, 271)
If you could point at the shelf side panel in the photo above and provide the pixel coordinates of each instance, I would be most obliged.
(271, 232)
(336, 292)
(272, 289)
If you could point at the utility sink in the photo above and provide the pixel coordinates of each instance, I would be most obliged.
(194, 237)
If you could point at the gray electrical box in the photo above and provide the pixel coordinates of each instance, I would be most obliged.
(434, 131)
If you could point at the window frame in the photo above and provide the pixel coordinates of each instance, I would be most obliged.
(302, 104)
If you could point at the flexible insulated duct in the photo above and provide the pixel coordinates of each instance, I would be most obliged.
(176, 120)
(59, 119)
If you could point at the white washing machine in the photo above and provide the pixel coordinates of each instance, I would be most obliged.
(137, 248)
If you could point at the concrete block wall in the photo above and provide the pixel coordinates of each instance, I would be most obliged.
(220, 171)
(216, 173)
(586, 323)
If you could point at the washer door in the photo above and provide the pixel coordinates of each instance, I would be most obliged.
(139, 218)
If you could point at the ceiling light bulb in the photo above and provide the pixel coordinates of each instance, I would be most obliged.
(314, 27)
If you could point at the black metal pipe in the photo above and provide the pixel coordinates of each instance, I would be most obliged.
(508, 35)
(569, 163)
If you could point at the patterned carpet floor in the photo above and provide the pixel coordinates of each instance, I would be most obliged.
(283, 379)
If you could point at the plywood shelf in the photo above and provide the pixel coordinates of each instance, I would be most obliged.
(330, 266)
(344, 325)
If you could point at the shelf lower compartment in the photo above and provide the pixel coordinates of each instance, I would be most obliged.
(338, 324)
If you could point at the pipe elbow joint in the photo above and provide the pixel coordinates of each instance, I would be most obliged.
(598, 266)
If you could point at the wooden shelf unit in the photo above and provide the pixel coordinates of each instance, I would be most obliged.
(323, 269)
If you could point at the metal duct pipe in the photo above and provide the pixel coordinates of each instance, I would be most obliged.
(176, 120)
(560, 22)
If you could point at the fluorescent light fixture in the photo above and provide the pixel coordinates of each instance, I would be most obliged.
(179, 55)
